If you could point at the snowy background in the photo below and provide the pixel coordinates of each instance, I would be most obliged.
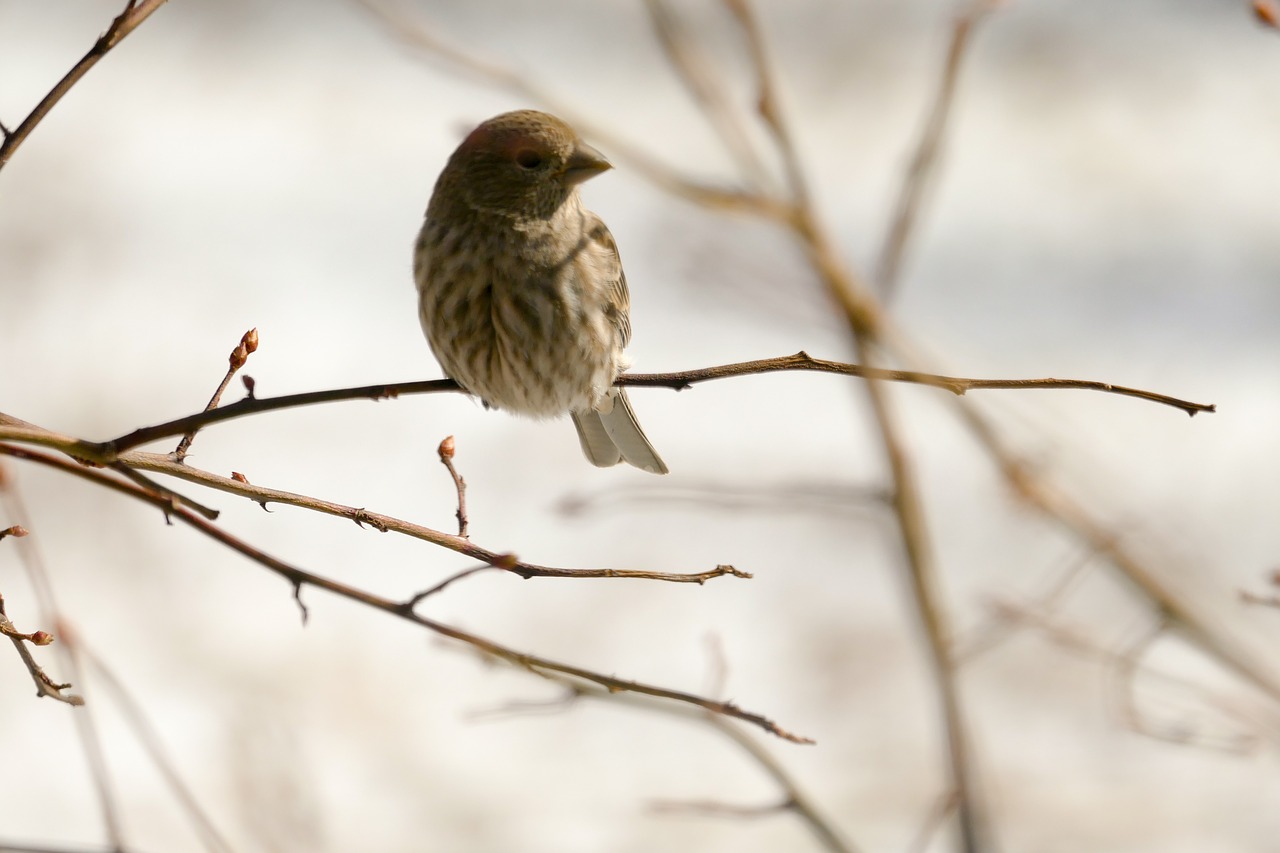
(1108, 208)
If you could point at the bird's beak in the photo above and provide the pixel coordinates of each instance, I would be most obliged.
(585, 162)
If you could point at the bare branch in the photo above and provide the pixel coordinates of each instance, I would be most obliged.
(925, 159)
(707, 88)
(446, 451)
(419, 36)
(299, 578)
(45, 686)
(104, 453)
(247, 346)
(164, 464)
(149, 738)
(135, 12)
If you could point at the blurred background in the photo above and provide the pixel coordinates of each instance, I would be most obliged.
(1108, 207)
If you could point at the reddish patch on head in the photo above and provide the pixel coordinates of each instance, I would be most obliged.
(479, 139)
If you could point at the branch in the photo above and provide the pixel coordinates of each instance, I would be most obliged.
(925, 160)
(957, 385)
(45, 686)
(104, 453)
(247, 346)
(134, 14)
(446, 451)
(165, 464)
(300, 578)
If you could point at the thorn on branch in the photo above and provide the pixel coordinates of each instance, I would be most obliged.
(362, 517)
(297, 597)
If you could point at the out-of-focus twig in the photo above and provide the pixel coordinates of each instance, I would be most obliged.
(802, 497)
(924, 161)
(135, 12)
(67, 650)
(864, 318)
(1267, 13)
(708, 90)
(418, 35)
(769, 108)
(147, 736)
(1128, 665)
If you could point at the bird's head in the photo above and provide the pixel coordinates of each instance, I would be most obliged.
(524, 163)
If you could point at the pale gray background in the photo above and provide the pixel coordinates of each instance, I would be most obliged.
(1109, 208)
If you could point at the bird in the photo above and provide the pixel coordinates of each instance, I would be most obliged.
(521, 292)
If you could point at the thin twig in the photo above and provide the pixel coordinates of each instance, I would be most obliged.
(446, 451)
(67, 650)
(933, 821)
(135, 12)
(87, 727)
(1078, 521)
(924, 161)
(299, 578)
(769, 108)
(796, 799)
(707, 89)
(417, 35)
(45, 686)
(247, 346)
(1085, 643)
(716, 808)
(457, 576)
(147, 736)
(164, 464)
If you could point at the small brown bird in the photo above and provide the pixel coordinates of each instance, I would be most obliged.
(520, 288)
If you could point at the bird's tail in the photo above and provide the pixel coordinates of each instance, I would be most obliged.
(610, 434)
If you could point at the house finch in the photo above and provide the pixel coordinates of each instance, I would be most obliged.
(521, 291)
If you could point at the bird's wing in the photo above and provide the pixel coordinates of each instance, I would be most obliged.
(617, 297)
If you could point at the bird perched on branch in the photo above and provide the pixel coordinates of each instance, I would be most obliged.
(521, 290)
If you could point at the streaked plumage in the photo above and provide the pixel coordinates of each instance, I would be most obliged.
(521, 290)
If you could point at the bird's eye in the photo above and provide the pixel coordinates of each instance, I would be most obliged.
(528, 158)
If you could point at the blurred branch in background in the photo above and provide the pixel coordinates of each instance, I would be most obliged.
(872, 331)
(804, 498)
(924, 162)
